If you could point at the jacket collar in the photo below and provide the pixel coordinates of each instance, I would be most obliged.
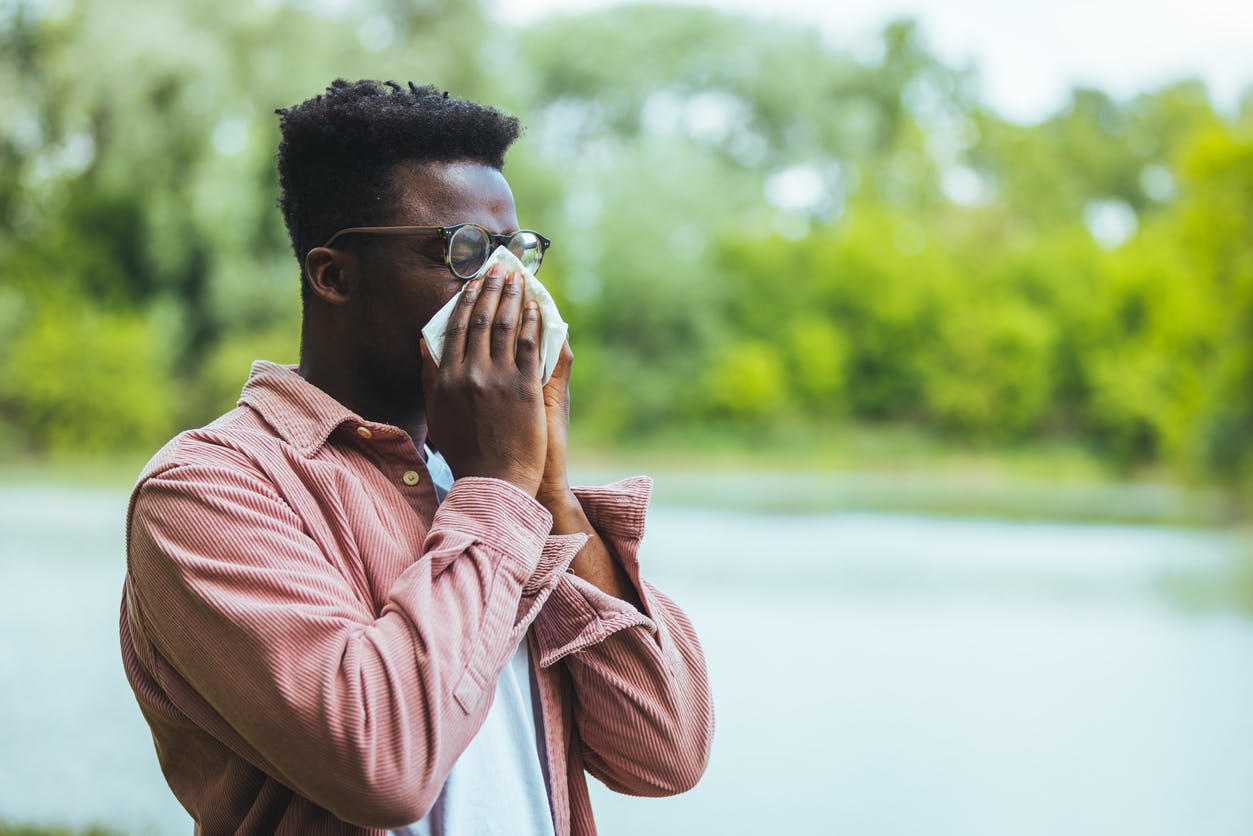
(301, 413)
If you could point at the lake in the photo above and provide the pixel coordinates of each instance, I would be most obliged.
(872, 674)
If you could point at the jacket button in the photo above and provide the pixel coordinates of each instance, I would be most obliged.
(411, 477)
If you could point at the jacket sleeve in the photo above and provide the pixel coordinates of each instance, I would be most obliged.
(258, 636)
(643, 709)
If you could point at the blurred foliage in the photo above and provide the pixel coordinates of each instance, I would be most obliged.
(752, 228)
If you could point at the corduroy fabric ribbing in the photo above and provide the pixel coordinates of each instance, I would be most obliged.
(313, 639)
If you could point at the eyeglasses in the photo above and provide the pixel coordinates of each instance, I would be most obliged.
(467, 246)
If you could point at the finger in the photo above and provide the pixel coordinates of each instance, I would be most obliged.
(478, 331)
(564, 360)
(505, 325)
(558, 385)
(458, 323)
(527, 353)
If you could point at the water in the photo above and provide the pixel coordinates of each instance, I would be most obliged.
(872, 674)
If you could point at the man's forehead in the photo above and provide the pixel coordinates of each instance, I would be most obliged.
(438, 193)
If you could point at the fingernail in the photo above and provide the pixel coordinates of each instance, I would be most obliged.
(509, 279)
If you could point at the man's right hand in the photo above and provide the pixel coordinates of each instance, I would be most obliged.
(484, 402)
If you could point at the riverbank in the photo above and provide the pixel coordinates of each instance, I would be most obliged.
(862, 470)
(26, 829)
(899, 469)
(950, 493)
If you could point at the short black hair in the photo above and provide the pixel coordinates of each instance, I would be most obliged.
(338, 149)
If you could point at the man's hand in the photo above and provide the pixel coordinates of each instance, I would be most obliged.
(484, 406)
(593, 563)
(555, 485)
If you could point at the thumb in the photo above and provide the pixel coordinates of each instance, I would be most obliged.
(564, 360)
(560, 380)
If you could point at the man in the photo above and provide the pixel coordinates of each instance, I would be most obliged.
(325, 632)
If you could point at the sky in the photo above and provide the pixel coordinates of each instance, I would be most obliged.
(1029, 54)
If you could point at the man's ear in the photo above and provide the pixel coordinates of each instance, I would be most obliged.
(330, 274)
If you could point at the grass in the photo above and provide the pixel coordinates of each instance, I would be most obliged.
(895, 469)
(853, 448)
(12, 829)
(116, 471)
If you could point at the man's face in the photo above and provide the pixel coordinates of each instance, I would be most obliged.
(404, 280)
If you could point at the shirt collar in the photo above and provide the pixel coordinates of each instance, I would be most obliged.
(301, 413)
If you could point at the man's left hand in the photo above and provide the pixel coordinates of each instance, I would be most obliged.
(593, 563)
(554, 484)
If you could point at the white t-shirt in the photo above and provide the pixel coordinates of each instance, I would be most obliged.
(499, 785)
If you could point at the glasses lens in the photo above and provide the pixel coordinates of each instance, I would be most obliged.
(467, 250)
(528, 247)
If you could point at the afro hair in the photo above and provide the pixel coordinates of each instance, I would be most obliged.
(338, 150)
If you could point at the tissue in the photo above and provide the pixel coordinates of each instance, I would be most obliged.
(553, 328)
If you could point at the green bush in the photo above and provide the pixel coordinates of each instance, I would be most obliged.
(990, 374)
(816, 353)
(82, 380)
(756, 237)
(746, 382)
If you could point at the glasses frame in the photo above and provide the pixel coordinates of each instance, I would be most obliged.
(447, 232)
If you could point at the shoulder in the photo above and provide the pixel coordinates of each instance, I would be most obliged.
(236, 442)
(212, 486)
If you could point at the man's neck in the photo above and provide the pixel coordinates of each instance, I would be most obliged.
(357, 395)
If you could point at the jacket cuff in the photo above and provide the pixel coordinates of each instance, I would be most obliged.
(617, 512)
(498, 513)
(558, 554)
(578, 615)
(556, 557)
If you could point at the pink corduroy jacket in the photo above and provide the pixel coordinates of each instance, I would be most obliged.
(314, 640)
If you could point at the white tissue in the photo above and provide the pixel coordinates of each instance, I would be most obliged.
(553, 327)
